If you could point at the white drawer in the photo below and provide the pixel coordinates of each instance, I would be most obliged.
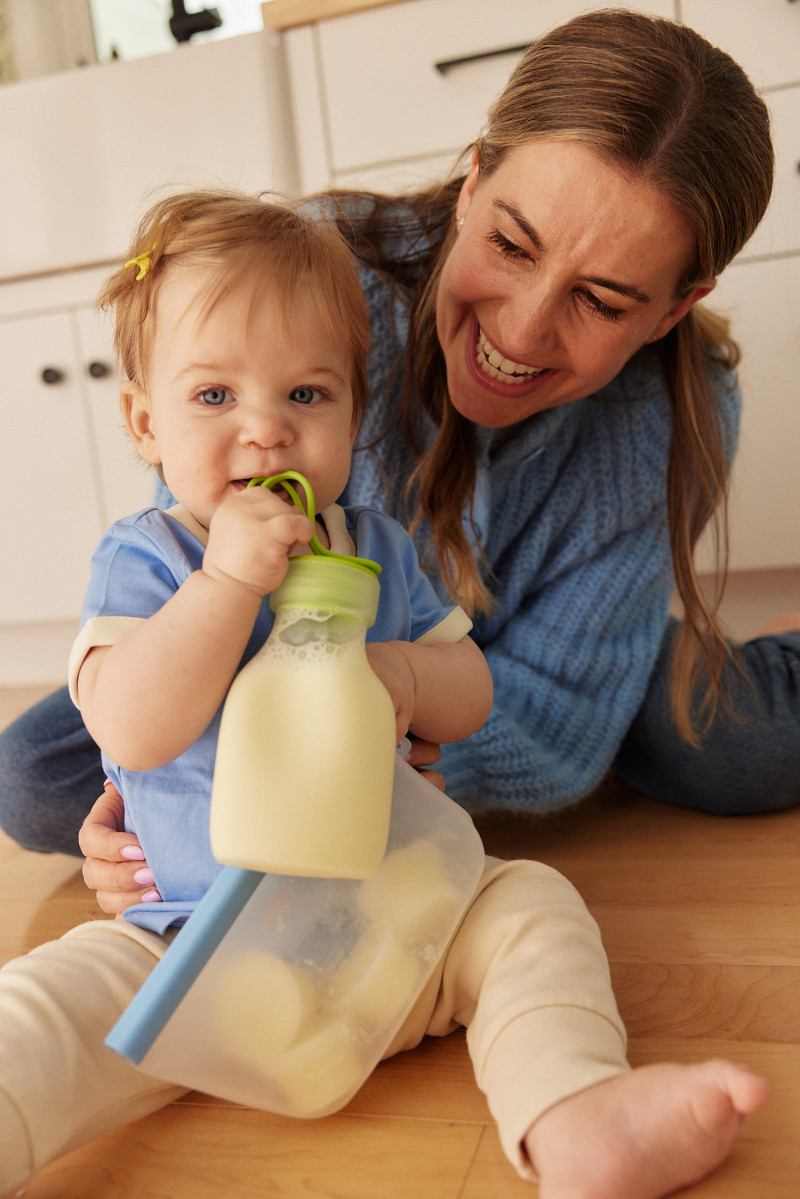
(387, 99)
(762, 35)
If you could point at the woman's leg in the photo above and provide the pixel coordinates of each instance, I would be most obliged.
(59, 1085)
(50, 775)
(745, 765)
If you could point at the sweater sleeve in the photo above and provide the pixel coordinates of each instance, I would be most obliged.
(583, 592)
(569, 676)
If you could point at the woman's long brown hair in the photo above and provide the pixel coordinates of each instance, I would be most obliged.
(668, 109)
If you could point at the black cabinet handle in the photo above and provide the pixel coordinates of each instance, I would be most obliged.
(51, 375)
(448, 64)
(99, 370)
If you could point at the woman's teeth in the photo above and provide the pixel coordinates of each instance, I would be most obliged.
(492, 362)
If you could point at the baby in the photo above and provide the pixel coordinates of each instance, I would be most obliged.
(242, 333)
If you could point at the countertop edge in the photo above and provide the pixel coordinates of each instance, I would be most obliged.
(286, 14)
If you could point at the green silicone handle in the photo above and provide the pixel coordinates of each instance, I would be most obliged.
(285, 480)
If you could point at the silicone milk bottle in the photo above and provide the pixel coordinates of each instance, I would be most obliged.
(282, 992)
(306, 751)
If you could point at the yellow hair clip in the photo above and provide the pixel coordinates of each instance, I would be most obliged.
(142, 261)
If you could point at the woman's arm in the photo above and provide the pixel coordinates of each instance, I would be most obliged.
(570, 671)
(441, 691)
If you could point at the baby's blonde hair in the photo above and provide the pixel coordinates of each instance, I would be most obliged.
(242, 240)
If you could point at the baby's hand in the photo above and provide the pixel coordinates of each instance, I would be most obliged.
(392, 667)
(250, 538)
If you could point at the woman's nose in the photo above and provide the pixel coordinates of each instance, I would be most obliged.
(529, 325)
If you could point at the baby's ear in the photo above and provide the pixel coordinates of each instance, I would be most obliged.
(139, 421)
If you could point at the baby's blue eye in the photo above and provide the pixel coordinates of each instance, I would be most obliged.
(214, 396)
(303, 395)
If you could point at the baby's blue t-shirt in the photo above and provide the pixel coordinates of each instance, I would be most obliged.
(140, 563)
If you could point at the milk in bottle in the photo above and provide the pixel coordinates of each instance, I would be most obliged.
(305, 759)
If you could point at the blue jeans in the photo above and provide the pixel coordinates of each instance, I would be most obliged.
(50, 772)
(742, 766)
(50, 775)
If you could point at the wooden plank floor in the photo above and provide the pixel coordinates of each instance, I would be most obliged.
(700, 920)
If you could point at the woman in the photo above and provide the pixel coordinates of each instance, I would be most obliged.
(555, 417)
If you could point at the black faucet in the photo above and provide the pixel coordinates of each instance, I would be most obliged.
(184, 25)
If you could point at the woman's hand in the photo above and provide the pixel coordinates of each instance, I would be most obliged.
(422, 754)
(115, 867)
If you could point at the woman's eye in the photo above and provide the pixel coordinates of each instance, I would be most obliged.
(214, 397)
(597, 306)
(304, 395)
(508, 248)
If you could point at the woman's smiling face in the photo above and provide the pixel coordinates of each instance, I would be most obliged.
(562, 268)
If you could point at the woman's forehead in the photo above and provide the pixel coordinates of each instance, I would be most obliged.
(565, 194)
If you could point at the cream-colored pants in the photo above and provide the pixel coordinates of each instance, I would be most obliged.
(525, 974)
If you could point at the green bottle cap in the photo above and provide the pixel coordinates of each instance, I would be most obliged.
(317, 582)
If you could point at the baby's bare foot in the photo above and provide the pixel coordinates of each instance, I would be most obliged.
(645, 1134)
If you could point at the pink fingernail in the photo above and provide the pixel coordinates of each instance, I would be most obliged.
(144, 877)
(150, 897)
(133, 853)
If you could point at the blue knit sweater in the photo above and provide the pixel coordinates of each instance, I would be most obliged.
(571, 513)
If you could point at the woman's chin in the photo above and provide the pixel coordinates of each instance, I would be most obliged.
(495, 405)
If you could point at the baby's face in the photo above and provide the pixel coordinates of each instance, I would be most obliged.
(247, 390)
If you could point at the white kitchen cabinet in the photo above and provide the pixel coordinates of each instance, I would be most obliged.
(125, 483)
(66, 467)
(760, 292)
(373, 110)
(84, 151)
(389, 96)
(50, 510)
(764, 39)
(762, 300)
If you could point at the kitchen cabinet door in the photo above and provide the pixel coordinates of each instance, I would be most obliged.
(51, 521)
(125, 484)
(763, 302)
